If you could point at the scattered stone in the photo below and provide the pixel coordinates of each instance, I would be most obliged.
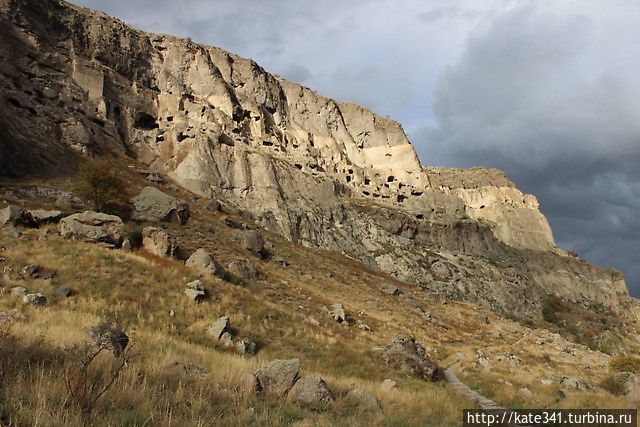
(159, 242)
(126, 245)
(214, 206)
(278, 376)
(93, 227)
(188, 369)
(389, 385)
(310, 390)
(312, 321)
(15, 215)
(245, 346)
(525, 393)
(36, 272)
(390, 289)
(203, 261)
(406, 355)
(363, 400)
(154, 205)
(230, 222)
(195, 295)
(11, 231)
(364, 327)
(242, 271)
(252, 241)
(45, 232)
(12, 316)
(197, 285)
(68, 201)
(338, 313)
(226, 340)
(219, 327)
(483, 318)
(36, 299)
(41, 216)
(19, 291)
(574, 383)
(64, 292)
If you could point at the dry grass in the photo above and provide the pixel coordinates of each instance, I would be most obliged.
(143, 290)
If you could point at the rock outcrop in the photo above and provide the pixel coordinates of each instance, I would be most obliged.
(320, 173)
(406, 355)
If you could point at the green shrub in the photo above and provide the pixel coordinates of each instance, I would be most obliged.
(105, 190)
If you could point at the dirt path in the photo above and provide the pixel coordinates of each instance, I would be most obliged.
(472, 395)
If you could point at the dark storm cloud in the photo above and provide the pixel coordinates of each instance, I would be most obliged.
(550, 95)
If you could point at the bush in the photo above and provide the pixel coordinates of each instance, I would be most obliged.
(614, 385)
(625, 364)
(105, 190)
(552, 305)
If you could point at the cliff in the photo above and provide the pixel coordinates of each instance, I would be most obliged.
(320, 173)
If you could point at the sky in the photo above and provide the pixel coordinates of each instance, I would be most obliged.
(546, 90)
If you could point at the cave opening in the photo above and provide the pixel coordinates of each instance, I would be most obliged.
(145, 121)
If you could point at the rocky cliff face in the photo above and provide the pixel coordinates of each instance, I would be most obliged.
(323, 174)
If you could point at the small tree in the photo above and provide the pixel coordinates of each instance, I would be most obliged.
(91, 371)
(104, 189)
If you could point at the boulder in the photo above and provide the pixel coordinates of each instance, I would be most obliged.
(338, 313)
(363, 400)
(154, 205)
(36, 299)
(406, 355)
(219, 327)
(278, 376)
(159, 242)
(15, 215)
(41, 216)
(203, 261)
(242, 271)
(93, 227)
(252, 241)
(310, 390)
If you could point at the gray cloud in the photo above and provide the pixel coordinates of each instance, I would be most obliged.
(550, 95)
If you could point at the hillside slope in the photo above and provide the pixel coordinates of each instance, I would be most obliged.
(322, 174)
